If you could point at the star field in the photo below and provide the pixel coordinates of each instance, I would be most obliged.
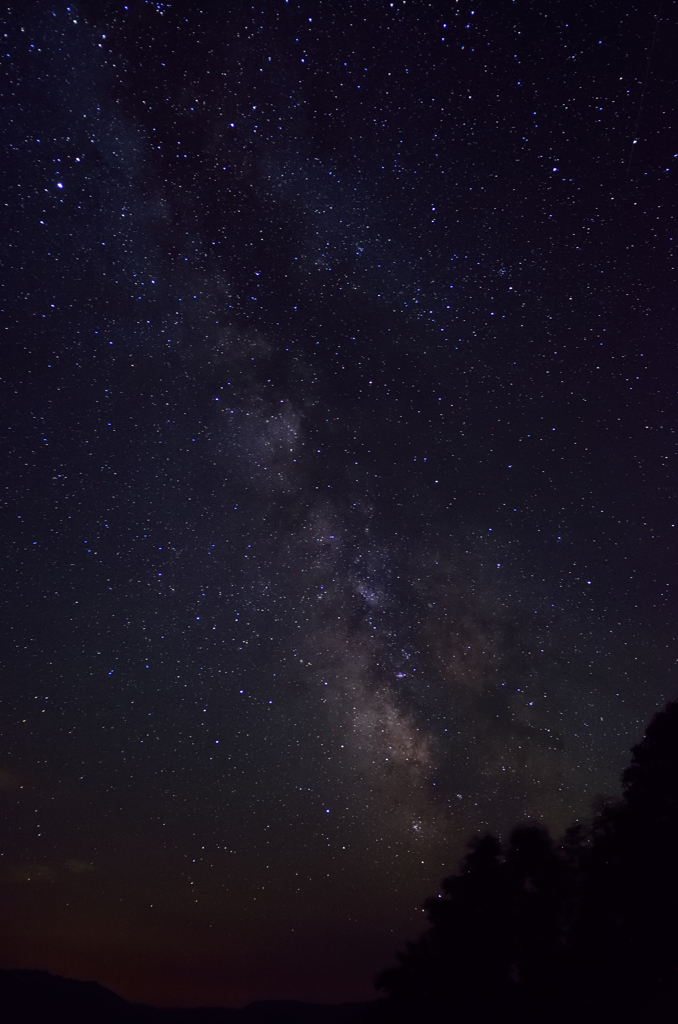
(338, 396)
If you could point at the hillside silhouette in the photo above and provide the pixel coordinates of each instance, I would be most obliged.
(37, 997)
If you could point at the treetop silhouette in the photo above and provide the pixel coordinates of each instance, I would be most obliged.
(583, 929)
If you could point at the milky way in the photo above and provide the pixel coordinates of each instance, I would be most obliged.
(339, 417)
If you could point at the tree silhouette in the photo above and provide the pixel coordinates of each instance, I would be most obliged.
(586, 930)
(463, 959)
(494, 944)
(536, 882)
(625, 942)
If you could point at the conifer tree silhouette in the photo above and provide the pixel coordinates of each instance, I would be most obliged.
(584, 931)
(536, 883)
(461, 964)
(624, 947)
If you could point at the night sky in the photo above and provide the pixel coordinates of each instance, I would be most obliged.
(338, 401)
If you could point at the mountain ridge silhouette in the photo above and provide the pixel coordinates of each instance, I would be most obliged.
(39, 997)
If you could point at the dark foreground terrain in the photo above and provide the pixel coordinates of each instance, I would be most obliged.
(36, 997)
(528, 930)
